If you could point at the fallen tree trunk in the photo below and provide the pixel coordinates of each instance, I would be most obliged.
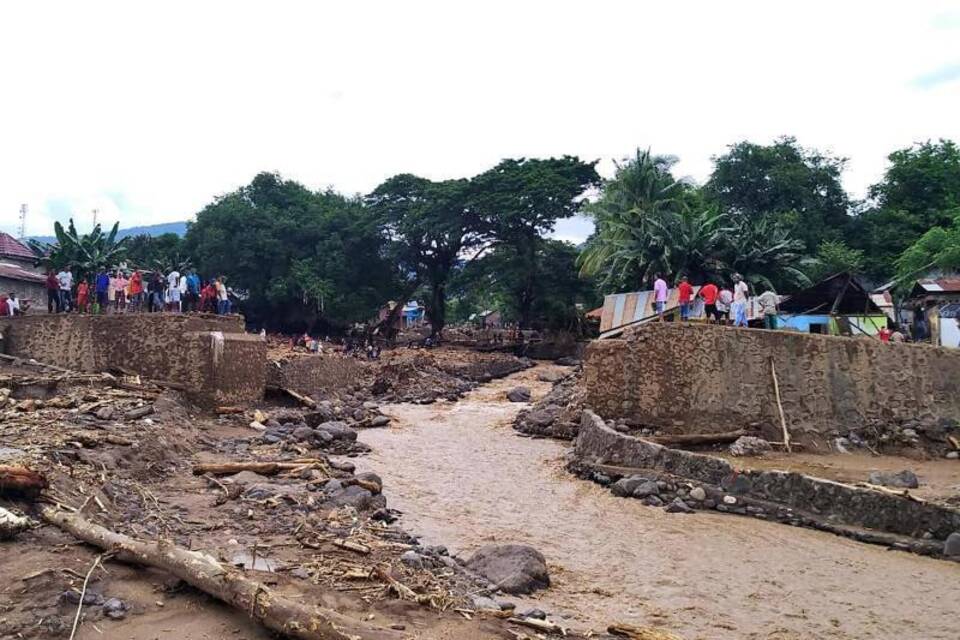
(202, 571)
(21, 481)
(699, 438)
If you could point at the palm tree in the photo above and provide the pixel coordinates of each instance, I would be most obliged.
(763, 252)
(83, 254)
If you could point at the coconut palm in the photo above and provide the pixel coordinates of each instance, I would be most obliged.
(765, 253)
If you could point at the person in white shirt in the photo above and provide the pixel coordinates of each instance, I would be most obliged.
(739, 307)
(173, 290)
(13, 305)
(65, 278)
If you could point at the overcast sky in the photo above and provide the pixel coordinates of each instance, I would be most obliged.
(147, 111)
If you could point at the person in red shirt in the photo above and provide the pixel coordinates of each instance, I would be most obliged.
(53, 293)
(136, 291)
(885, 334)
(684, 296)
(83, 296)
(708, 293)
(4, 307)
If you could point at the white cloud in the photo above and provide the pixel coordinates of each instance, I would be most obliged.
(148, 111)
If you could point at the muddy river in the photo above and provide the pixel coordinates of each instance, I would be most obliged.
(464, 479)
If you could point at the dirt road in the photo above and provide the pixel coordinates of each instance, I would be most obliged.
(464, 479)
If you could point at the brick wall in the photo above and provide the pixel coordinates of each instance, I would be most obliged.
(704, 379)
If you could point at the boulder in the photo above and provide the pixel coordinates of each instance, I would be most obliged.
(356, 497)
(338, 430)
(115, 609)
(951, 548)
(905, 479)
(644, 489)
(302, 433)
(519, 394)
(678, 506)
(380, 421)
(514, 568)
(749, 446)
(698, 494)
(370, 478)
(567, 361)
(551, 376)
(625, 486)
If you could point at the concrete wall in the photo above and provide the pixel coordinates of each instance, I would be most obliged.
(210, 355)
(688, 378)
(315, 375)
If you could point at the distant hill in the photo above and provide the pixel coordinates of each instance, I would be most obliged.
(179, 228)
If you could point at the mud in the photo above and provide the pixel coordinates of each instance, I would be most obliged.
(463, 478)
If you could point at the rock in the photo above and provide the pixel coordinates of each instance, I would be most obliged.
(567, 361)
(536, 614)
(644, 489)
(371, 478)
(953, 455)
(698, 494)
(951, 548)
(370, 405)
(105, 413)
(115, 609)
(505, 605)
(519, 394)
(909, 433)
(302, 433)
(905, 479)
(515, 568)
(342, 465)
(356, 497)
(749, 446)
(246, 477)
(653, 501)
(625, 486)
(483, 602)
(90, 598)
(380, 421)
(339, 430)
(412, 559)
(383, 515)
(300, 572)
(542, 417)
(551, 376)
(678, 506)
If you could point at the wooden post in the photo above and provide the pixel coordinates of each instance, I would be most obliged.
(783, 419)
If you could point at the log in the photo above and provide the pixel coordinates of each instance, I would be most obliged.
(699, 438)
(302, 399)
(640, 633)
(224, 411)
(20, 481)
(783, 418)
(223, 582)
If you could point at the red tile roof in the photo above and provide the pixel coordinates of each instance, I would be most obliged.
(13, 248)
(14, 272)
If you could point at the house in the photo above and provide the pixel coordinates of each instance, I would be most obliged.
(838, 305)
(15, 252)
(29, 286)
(945, 325)
(413, 314)
(491, 319)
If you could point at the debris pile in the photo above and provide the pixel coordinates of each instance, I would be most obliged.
(556, 415)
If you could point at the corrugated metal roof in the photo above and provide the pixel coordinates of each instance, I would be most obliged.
(940, 285)
(13, 248)
(15, 272)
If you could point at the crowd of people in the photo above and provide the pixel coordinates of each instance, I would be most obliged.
(123, 291)
(722, 304)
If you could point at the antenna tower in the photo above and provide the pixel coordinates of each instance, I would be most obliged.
(23, 221)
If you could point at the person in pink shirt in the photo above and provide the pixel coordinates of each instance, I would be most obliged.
(660, 293)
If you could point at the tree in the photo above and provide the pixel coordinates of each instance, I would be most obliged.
(834, 256)
(429, 225)
(764, 252)
(799, 187)
(303, 257)
(83, 254)
(519, 201)
(937, 249)
(163, 253)
(920, 190)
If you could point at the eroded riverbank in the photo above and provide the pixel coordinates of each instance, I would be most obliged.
(464, 479)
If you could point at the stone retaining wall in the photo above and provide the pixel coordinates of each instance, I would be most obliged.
(210, 355)
(685, 378)
(814, 499)
(315, 375)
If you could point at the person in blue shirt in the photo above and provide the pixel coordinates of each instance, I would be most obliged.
(102, 286)
(193, 291)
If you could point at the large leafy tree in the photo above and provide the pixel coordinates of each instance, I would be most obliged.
(799, 187)
(430, 227)
(162, 253)
(305, 258)
(938, 249)
(83, 254)
(517, 202)
(920, 190)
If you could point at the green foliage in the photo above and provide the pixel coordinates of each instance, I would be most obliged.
(937, 249)
(649, 223)
(303, 257)
(163, 253)
(920, 190)
(83, 254)
(799, 187)
(834, 256)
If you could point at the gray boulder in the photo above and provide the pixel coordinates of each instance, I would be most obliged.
(338, 430)
(514, 568)
(302, 433)
(519, 394)
(356, 497)
(749, 446)
(905, 479)
(698, 494)
(678, 506)
(625, 486)
(951, 548)
(644, 489)
(551, 376)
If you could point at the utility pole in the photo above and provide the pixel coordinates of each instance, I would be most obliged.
(95, 212)
(23, 221)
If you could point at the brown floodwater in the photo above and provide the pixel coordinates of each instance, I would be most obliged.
(463, 478)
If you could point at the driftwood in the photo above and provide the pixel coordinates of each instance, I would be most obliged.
(699, 438)
(228, 584)
(224, 411)
(299, 397)
(263, 468)
(783, 419)
(539, 625)
(139, 412)
(640, 633)
(20, 481)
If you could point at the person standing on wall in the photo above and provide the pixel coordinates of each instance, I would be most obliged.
(724, 302)
(120, 294)
(708, 293)
(684, 297)
(136, 290)
(102, 287)
(741, 293)
(193, 291)
(14, 304)
(83, 296)
(65, 278)
(660, 293)
(53, 293)
(223, 300)
(769, 301)
(173, 291)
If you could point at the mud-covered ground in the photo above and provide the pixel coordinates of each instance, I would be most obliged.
(122, 452)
